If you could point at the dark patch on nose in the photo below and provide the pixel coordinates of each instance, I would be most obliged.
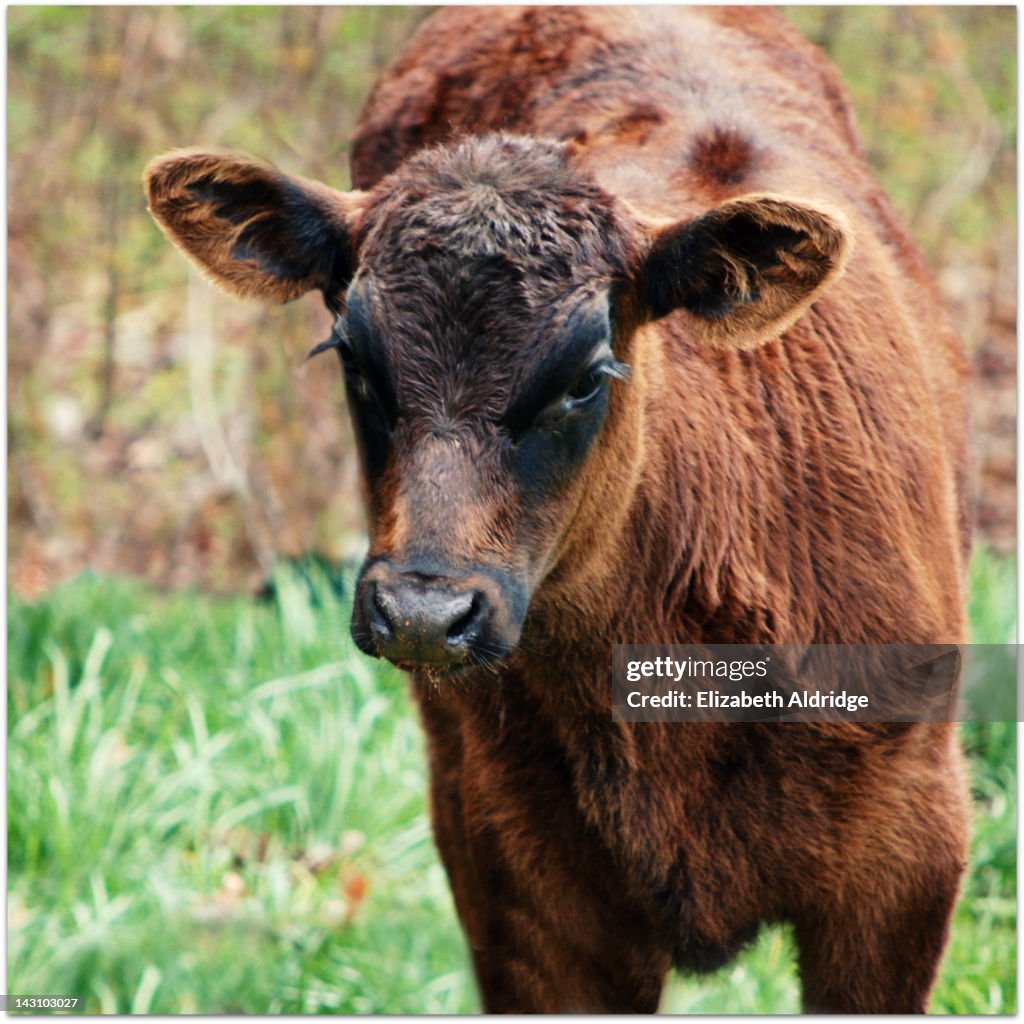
(426, 623)
(421, 619)
(722, 156)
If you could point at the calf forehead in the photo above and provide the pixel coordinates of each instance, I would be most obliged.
(474, 260)
(466, 337)
(457, 338)
(487, 207)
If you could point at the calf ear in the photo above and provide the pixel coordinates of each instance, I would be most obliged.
(255, 231)
(747, 269)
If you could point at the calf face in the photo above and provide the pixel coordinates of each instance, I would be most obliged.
(486, 294)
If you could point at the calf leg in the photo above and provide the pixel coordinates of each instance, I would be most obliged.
(867, 958)
(548, 940)
(548, 923)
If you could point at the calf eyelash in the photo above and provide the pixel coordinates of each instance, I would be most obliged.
(616, 370)
(332, 342)
(335, 340)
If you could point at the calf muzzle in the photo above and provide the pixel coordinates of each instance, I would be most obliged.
(426, 620)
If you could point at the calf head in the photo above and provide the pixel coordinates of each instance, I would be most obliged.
(486, 297)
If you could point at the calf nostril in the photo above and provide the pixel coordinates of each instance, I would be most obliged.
(464, 624)
(384, 619)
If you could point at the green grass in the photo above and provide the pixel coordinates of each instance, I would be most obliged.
(218, 806)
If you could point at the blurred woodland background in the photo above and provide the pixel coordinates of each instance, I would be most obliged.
(160, 429)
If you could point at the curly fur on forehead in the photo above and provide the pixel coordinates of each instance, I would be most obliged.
(506, 197)
(472, 257)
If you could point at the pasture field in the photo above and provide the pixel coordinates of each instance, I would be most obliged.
(217, 805)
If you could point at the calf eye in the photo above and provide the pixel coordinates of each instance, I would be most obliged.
(588, 387)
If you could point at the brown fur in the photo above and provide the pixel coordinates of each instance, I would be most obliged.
(786, 465)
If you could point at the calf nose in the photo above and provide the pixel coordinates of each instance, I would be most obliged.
(425, 623)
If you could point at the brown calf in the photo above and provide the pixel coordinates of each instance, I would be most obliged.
(635, 351)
